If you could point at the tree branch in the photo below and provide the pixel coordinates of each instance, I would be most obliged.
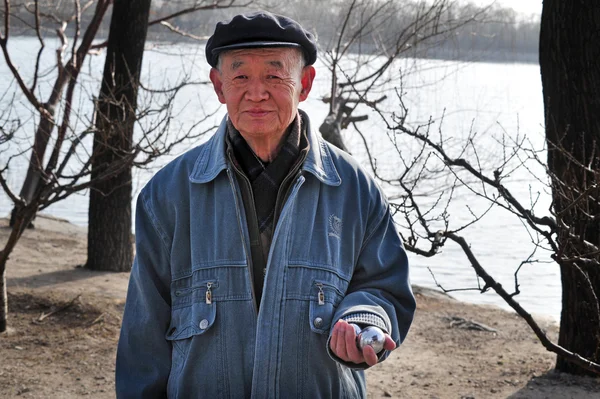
(175, 29)
(3, 44)
(215, 6)
(497, 287)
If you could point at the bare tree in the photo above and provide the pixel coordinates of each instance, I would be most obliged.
(360, 62)
(67, 168)
(427, 228)
(39, 176)
(67, 76)
(361, 58)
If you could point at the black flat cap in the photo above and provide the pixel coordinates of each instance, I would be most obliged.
(260, 29)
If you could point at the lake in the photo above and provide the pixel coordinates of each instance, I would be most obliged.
(497, 102)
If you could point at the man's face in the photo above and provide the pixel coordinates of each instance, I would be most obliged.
(262, 89)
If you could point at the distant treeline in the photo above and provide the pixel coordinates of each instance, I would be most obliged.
(465, 31)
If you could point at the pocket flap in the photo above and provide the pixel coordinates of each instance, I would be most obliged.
(191, 320)
(324, 300)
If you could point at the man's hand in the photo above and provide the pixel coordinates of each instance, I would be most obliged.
(343, 345)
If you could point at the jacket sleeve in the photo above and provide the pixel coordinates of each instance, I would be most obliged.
(143, 353)
(379, 293)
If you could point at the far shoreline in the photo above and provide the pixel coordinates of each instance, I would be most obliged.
(444, 53)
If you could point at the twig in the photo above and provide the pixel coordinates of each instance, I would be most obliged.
(97, 320)
(62, 308)
(450, 290)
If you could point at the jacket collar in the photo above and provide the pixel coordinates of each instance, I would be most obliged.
(212, 159)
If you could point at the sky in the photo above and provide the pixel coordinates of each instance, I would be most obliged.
(521, 6)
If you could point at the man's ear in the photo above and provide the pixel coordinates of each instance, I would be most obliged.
(215, 78)
(308, 75)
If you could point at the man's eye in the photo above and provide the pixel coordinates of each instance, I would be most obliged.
(273, 77)
(240, 77)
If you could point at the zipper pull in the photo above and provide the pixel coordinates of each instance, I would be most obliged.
(208, 293)
(321, 294)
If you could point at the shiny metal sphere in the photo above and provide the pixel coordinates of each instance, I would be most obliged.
(357, 329)
(372, 336)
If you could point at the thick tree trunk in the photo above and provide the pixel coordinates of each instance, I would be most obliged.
(109, 234)
(569, 54)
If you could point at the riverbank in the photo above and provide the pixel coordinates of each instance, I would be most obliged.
(65, 323)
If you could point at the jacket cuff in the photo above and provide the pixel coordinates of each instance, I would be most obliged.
(365, 319)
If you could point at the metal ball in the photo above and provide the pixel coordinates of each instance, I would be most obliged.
(372, 336)
(357, 329)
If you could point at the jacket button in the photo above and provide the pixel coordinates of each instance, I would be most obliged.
(204, 324)
(318, 322)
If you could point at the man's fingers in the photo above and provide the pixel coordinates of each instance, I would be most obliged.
(389, 343)
(369, 355)
(334, 339)
(354, 353)
(340, 348)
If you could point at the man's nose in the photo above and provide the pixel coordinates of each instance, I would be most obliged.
(257, 91)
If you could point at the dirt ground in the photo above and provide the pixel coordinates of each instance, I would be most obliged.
(64, 325)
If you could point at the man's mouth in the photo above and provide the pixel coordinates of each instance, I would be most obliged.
(257, 113)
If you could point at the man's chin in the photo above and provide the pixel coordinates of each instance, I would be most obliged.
(257, 129)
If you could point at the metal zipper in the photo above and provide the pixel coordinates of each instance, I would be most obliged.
(321, 294)
(248, 252)
(296, 173)
(294, 191)
(208, 295)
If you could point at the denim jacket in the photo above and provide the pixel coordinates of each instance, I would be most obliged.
(191, 328)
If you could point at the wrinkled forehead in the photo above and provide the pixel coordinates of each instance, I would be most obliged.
(276, 57)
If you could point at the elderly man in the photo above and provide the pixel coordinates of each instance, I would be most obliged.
(259, 250)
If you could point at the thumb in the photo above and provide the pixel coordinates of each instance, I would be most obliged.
(389, 343)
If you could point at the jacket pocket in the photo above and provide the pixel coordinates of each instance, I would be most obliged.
(319, 288)
(193, 335)
(193, 312)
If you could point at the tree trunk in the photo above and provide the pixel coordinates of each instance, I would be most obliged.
(331, 128)
(23, 217)
(109, 232)
(569, 54)
(40, 144)
(332, 132)
(4, 299)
